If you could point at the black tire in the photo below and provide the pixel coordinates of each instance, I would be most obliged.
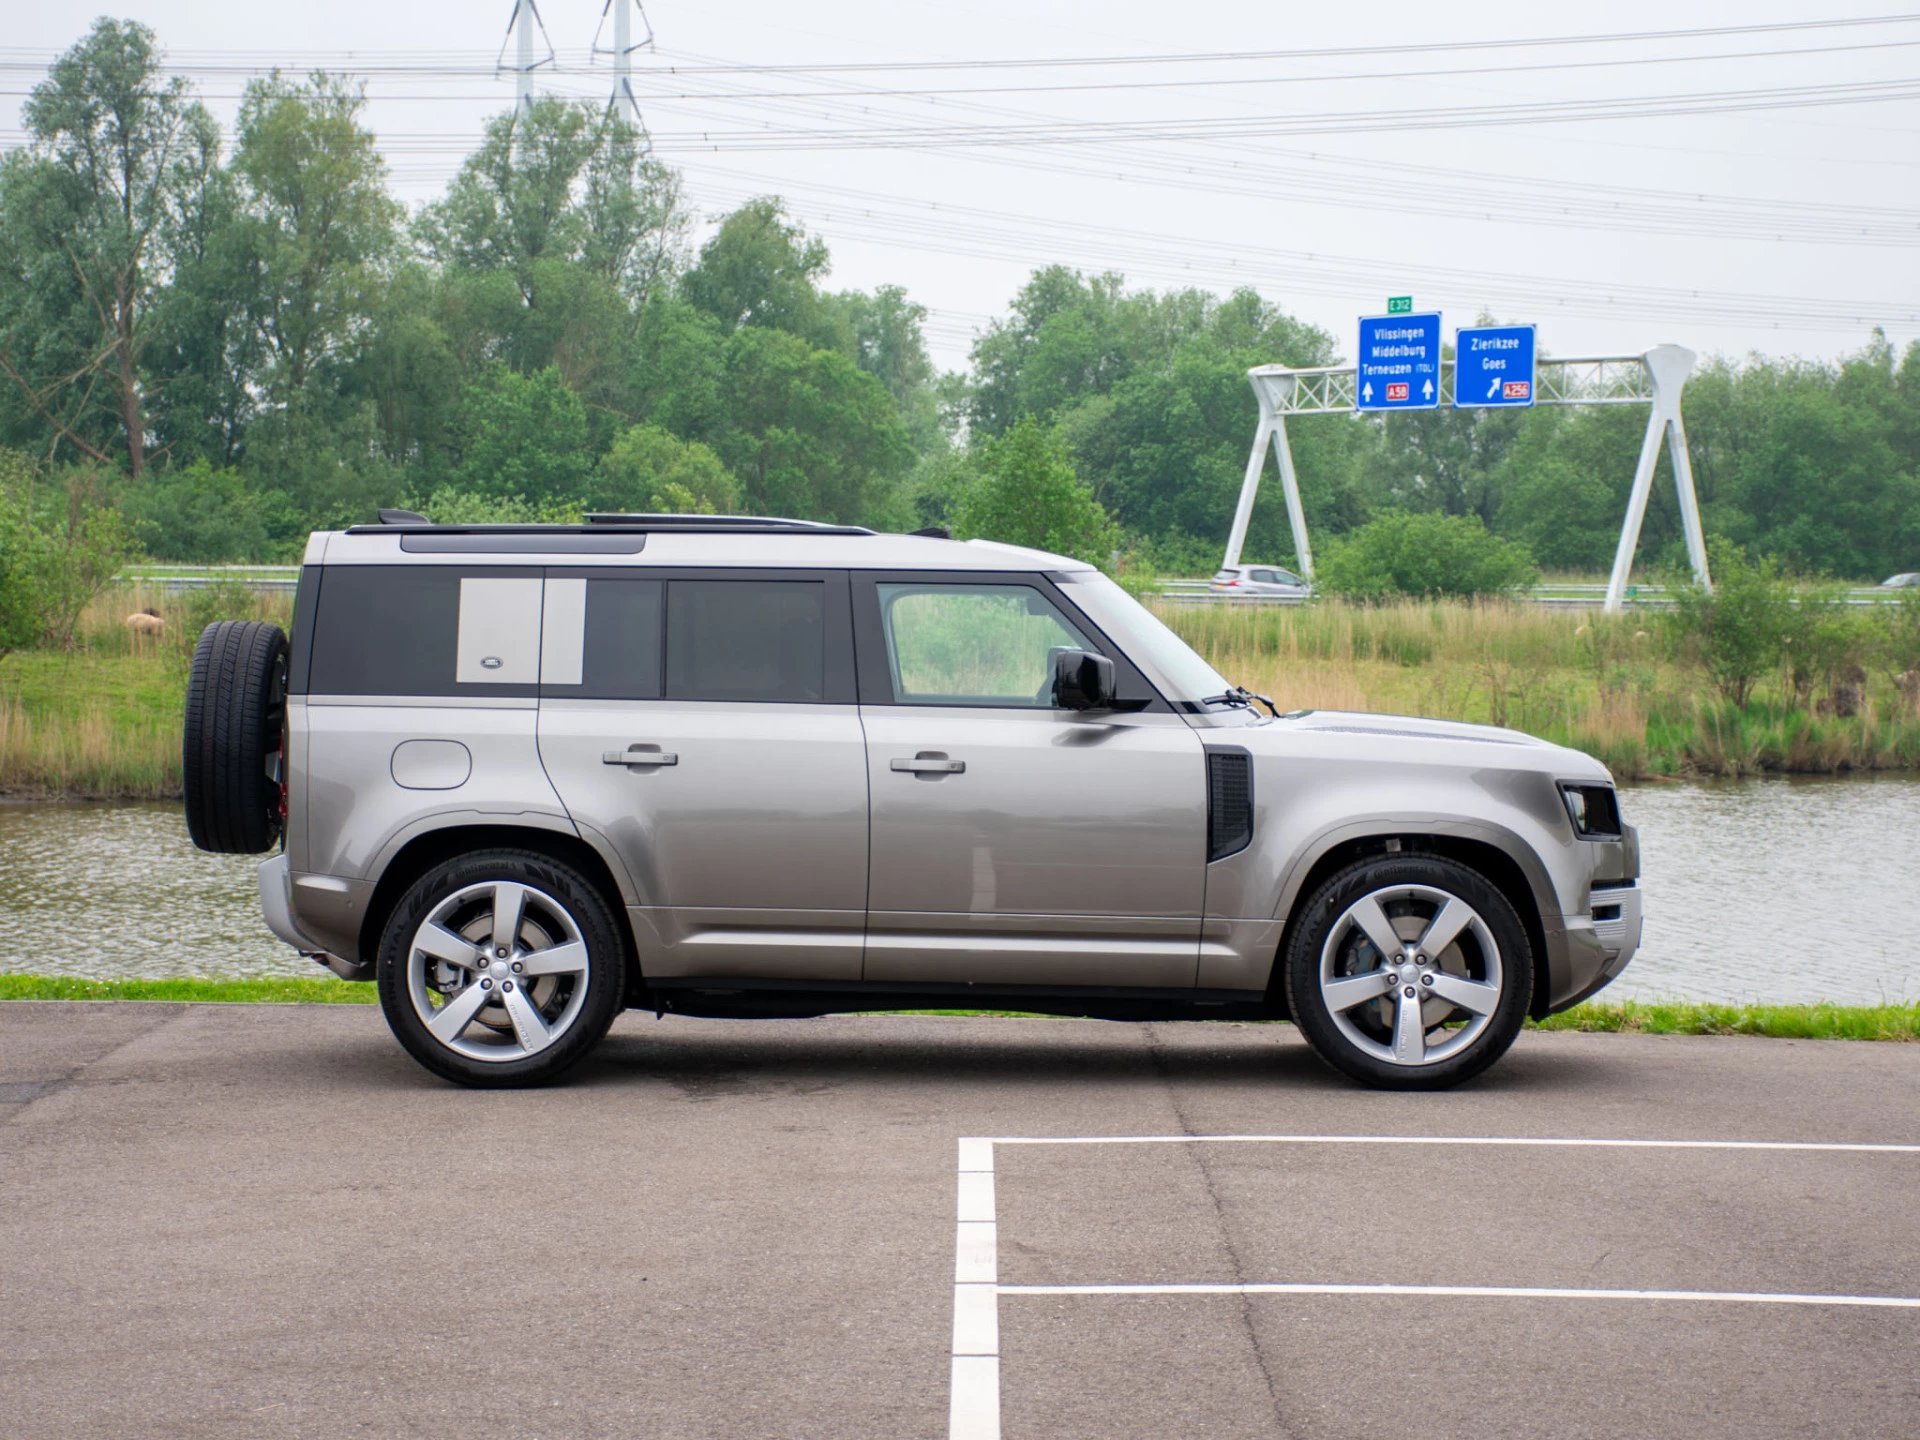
(236, 705)
(559, 888)
(1354, 1047)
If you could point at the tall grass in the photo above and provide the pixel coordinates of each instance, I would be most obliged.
(1623, 687)
(103, 719)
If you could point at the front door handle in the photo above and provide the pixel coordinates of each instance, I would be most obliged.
(930, 765)
(636, 756)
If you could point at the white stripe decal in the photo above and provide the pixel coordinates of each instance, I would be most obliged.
(1507, 1292)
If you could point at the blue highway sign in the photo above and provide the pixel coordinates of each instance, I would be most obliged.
(1399, 362)
(1493, 367)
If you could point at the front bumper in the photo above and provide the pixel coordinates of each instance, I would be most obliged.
(1597, 946)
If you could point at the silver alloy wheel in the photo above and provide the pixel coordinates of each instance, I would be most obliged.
(1404, 962)
(497, 971)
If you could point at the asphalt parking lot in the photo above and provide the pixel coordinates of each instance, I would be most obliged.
(267, 1221)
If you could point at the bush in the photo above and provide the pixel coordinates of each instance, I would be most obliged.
(1740, 629)
(1424, 555)
(198, 515)
(60, 545)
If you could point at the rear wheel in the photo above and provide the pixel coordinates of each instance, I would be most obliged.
(1409, 973)
(500, 968)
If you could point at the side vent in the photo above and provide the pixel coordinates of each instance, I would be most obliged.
(1229, 802)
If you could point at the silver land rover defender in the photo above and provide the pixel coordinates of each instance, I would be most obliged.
(528, 776)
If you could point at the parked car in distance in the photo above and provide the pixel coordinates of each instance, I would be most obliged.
(524, 777)
(1259, 580)
(1909, 580)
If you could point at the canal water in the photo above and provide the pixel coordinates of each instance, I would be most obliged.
(1769, 891)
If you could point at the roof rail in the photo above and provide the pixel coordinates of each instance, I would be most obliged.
(402, 522)
(751, 524)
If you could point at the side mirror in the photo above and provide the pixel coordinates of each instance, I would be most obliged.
(1082, 680)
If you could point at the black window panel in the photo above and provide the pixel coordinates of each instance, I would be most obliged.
(622, 656)
(386, 630)
(746, 640)
(394, 630)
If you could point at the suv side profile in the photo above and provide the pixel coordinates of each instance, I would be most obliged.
(527, 777)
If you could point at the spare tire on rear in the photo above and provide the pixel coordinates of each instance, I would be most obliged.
(230, 756)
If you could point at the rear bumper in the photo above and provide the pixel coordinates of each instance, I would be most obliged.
(276, 905)
(1596, 947)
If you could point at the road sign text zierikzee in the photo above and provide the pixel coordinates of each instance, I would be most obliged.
(1493, 366)
(1398, 364)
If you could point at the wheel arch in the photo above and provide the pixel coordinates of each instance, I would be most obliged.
(1509, 867)
(433, 847)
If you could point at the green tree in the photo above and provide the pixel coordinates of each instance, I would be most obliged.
(761, 270)
(523, 435)
(648, 470)
(88, 215)
(1028, 494)
(317, 220)
(1425, 554)
(807, 432)
(561, 181)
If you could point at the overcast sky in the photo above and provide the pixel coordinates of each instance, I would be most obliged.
(1783, 230)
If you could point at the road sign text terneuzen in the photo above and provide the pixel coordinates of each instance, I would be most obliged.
(1493, 366)
(1397, 366)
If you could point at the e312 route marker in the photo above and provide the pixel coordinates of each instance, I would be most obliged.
(1399, 305)
(1493, 367)
(1397, 365)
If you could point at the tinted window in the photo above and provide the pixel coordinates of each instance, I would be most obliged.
(621, 647)
(410, 630)
(973, 644)
(746, 640)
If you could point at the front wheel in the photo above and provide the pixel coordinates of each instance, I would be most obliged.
(500, 968)
(1409, 972)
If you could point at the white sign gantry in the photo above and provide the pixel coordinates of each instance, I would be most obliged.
(1655, 378)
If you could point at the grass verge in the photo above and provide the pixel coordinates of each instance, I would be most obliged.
(1643, 1017)
(1780, 1022)
(276, 991)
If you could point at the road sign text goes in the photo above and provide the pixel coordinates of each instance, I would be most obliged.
(1494, 366)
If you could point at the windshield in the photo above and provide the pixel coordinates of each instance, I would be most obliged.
(1147, 640)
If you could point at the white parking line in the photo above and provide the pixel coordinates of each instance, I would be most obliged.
(1498, 1292)
(1517, 1140)
(974, 1410)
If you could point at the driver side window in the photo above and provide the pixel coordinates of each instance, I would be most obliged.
(974, 644)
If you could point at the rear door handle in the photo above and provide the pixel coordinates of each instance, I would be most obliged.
(639, 757)
(927, 765)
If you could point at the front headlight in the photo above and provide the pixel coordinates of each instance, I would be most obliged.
(1594, 810)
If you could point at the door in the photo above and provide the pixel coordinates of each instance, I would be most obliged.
(1014, 843)
(704, 725)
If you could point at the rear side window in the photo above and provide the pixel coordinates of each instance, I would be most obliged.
(604, 638)
(407, 630)
(746, 640)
